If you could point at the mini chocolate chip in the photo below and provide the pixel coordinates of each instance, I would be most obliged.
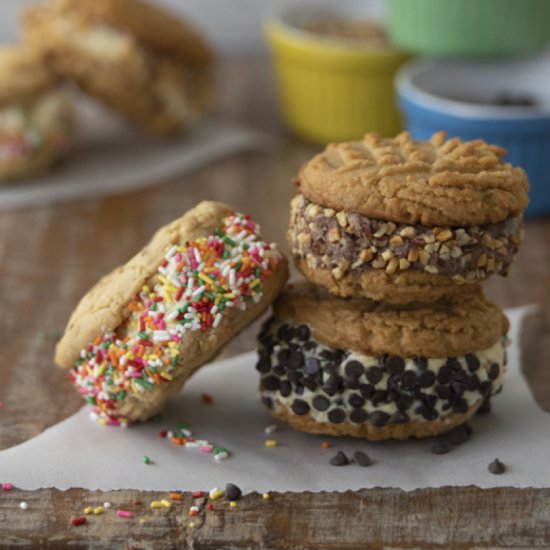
(355, 400)
(400, 417)
(458, 388)
(339, 459)
(285, 333)
(309, 382)
(393, 395)
(300, 407)
(295, 360)
(309, 345)
(354, 369)
(426, 379)
(443, 392)
(408, 379)
(294, 376)
(454, 363)
(426, 412)
(444, 374)
(394, 382)
(335, 380)
(458, 435)
(494, 371)
(351, 383)
(267, 401)
(232, 492)
(496, 467)
(429, 401)
(472, 383)
(379, 418)
(332, 368)
(485, 388)
(440, 447)
(321, 403)
(330, 390)
(336, 416)
(421, 362)
(404, 402)
(395, 364)
(366, 390)
(285, 387)
(358, 416)
(379, 396)
(303, 332)
(374, 374)
(311, 365)
(279, 370)
(459, 406)
(485, 407)
(299, 389)
(282, 357)
(361, 459)
(270, 383)
(472, 361)
(263, 365)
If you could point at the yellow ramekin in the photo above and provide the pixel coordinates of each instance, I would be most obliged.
(330, 89)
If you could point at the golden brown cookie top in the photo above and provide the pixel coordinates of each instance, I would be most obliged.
(435, 182)
(23, 74)
(104, 307)
(447, 328)
(148, 23)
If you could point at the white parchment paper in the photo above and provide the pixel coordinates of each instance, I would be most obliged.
(112, 157)
(79, 453)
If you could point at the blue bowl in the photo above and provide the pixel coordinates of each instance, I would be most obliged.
(466, 100)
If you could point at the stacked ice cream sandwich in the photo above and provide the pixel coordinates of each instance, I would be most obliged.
(391, 337)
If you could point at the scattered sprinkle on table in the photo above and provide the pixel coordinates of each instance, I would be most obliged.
(7, 486)
(325, 445)
(23, 505)
(136, 501)
(193, 511)
(80, 520)
(265, 496)
(232, 492)
(207, 398)
(88, 510)
(440, 447)
(191, 524)
(106, 505)
(362, 459)
(339, 459)
(496, 467)
(156, 504)
(124, 514)
(176, 496)
(271, 428)
(146, 459)
(215, 494)
(98, 510)
(197, 494)
(209, 506)
(271, 443)
(233, 504)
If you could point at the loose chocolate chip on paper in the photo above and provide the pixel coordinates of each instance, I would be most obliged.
(339, 459)
(232, 492)
(496, 467)
(440, 447)
(362, 459)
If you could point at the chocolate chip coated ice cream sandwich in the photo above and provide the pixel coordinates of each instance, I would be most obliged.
(370, 370)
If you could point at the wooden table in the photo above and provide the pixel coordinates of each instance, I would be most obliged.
(50, 256)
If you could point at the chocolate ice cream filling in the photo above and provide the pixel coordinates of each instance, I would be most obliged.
(346, 242)
(302, 376)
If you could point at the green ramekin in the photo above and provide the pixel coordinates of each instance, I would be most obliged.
(470, 28)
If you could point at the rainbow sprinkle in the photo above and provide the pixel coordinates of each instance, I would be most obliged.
(196, 284)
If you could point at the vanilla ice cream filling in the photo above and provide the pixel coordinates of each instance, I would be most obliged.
(44, 123)
(300, 376)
